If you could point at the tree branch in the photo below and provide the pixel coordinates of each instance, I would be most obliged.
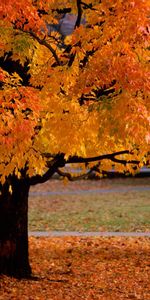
(77, 24)
(59, 161)
(96, 167)
(47, 45)
(124, 162)
(44, 43)
(79, 16)
(52, 165)
(112, 156)
(76, 159)
(87, 6)
(72, 178)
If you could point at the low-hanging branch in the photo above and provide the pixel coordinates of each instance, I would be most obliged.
(52, 167)
(111, 156)
(59, 161)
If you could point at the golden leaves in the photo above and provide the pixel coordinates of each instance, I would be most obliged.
(93, 99)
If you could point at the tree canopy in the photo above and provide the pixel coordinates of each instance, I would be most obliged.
(81, 98)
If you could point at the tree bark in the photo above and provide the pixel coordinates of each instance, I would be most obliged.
(14, 258)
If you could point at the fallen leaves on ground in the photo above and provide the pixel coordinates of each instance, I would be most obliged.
(71, 268)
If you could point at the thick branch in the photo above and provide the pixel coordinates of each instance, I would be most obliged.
(76, 159)
(52, 165)
(59, 161)
(111, 156)
(96, 167)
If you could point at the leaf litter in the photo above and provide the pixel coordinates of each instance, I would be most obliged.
(90, 268)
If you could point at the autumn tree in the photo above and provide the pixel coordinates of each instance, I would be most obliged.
(81, 98)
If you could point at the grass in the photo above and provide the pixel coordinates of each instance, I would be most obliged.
(128, 211)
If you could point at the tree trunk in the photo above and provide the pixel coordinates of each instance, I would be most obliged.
(14, 259)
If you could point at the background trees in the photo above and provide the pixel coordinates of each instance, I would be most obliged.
(82, 98)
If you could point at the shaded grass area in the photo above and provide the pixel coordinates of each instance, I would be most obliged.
(128, 211)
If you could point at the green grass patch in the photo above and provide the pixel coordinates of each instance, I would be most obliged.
(128, 211)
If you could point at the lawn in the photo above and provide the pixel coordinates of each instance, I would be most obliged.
(87, 210)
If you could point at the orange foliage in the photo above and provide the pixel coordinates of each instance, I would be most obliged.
(84, 95)
(84, 268)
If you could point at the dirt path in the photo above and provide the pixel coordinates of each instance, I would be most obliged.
(119, 185)
(102, 191)
(87, 234)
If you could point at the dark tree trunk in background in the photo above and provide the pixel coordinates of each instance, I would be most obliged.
(14, 259)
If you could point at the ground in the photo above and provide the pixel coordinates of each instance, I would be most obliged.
(89, 268)
(84, 268)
